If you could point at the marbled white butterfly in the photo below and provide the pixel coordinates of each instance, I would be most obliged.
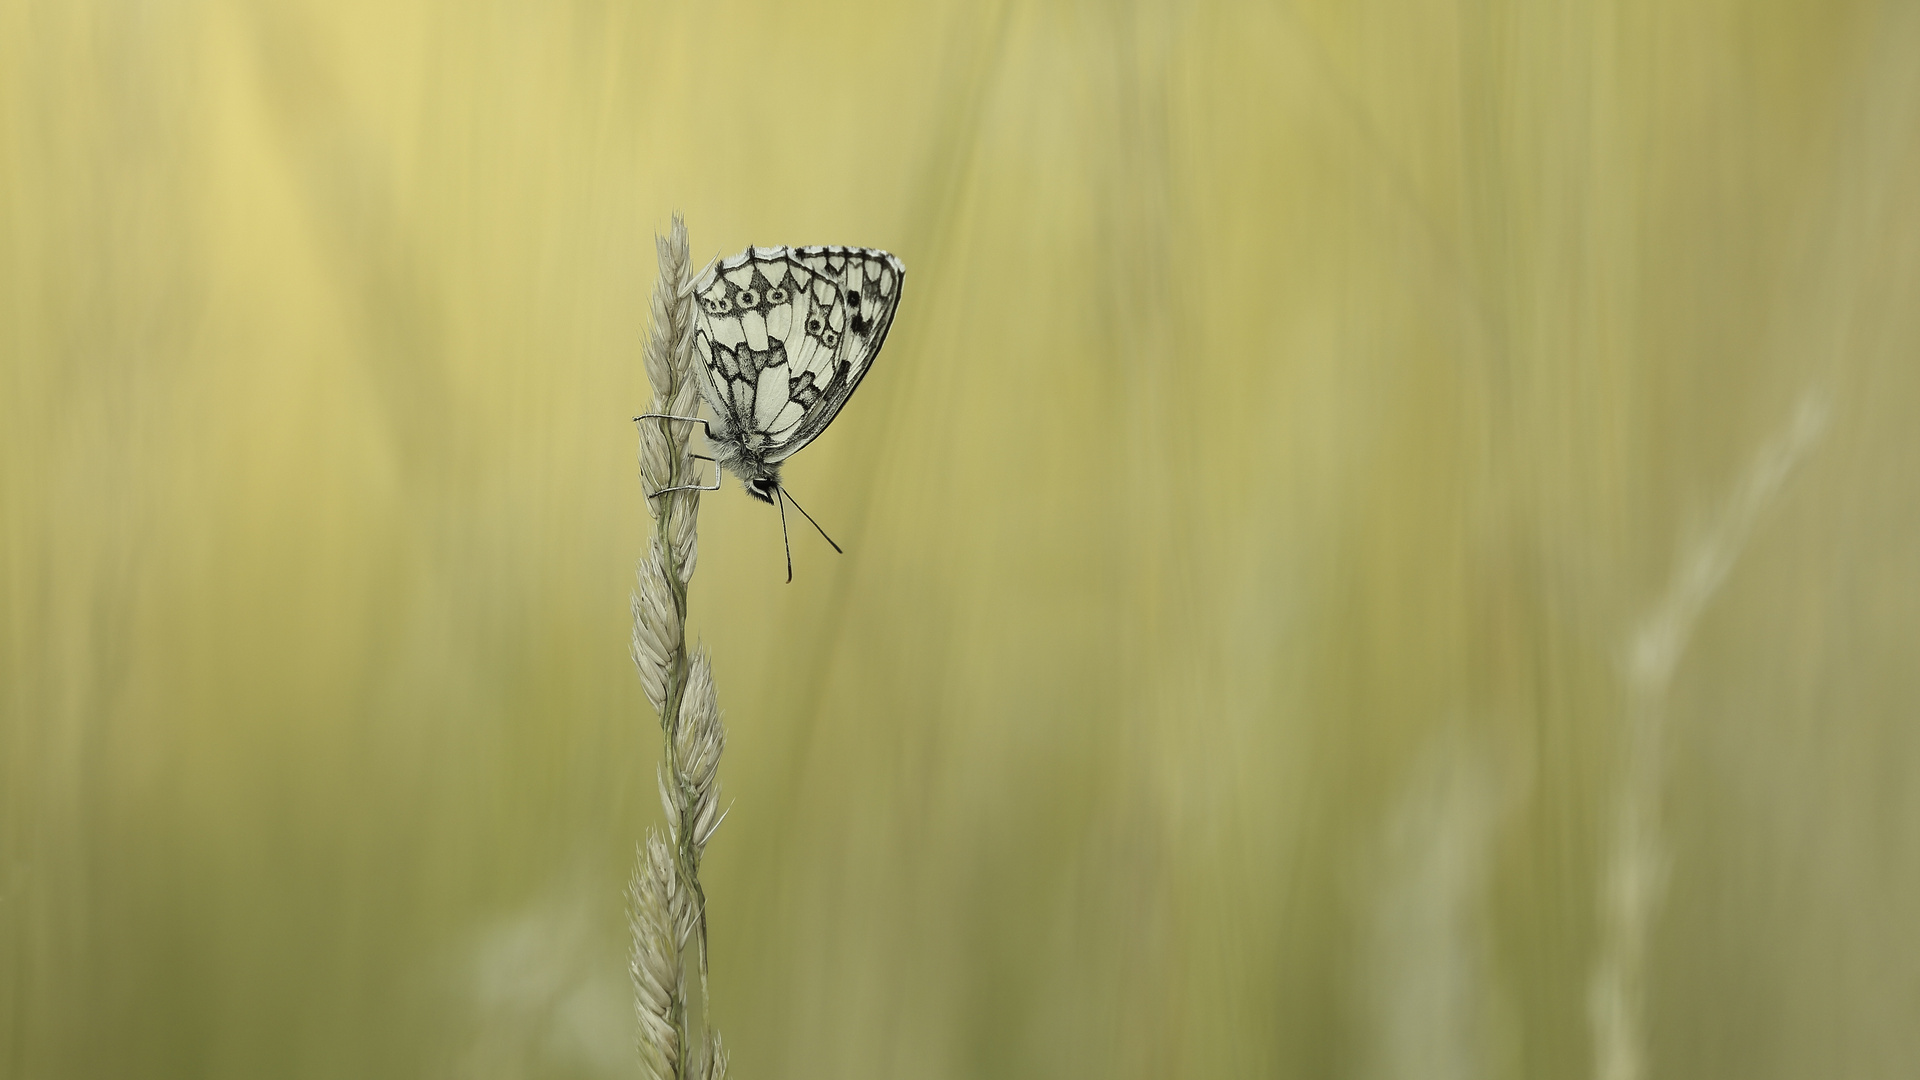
(781, 338)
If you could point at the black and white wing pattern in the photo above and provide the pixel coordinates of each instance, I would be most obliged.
(782, 337)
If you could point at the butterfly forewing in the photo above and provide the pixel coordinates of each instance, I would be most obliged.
(782, 336)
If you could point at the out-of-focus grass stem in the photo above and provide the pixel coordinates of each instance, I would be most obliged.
(1634, 880)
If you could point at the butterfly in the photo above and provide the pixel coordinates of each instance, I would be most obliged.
(781, 338)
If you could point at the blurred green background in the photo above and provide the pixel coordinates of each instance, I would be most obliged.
(1350, 485)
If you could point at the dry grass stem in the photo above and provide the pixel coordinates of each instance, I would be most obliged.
(669, 905)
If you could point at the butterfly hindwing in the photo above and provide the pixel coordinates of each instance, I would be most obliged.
(782, 336)
(870, 283)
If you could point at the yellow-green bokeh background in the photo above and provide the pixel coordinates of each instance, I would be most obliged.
(1296, 411)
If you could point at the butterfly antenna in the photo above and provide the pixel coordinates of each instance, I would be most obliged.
(783, 533)
(816, 525)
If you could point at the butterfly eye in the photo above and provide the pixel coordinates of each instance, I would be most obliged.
(748, 298)
(717, 305)
(815, 324)
(776, 295)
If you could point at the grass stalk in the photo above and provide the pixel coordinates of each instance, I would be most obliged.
(667, 905)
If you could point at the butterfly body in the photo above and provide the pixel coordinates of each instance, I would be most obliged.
(782, 336)
(732, 453)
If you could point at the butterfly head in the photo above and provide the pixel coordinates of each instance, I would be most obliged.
(763, 487)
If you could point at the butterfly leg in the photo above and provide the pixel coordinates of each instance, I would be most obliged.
(709, 432)
(701, 420)
(691, 487)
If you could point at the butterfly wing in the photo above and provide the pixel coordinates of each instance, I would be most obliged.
(782, 336)
(870, 283)
(750, 340)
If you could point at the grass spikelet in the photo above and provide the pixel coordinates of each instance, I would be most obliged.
(659, 987)
(713, 1062)
(657, 631)
(699, 739)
